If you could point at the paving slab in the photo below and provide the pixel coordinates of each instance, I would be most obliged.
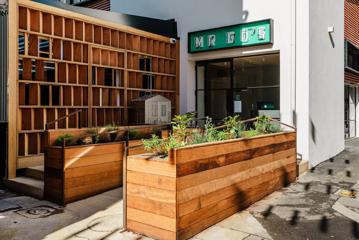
(246, 223)
(217, 232)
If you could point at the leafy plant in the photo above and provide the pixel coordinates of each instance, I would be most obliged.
(212, 134)
(64, 138)
(155, 144)
(111, 128)
(133, 134)
(264, 125)
(250, 133)
(234, 126)
(172, 142)
(180, 124)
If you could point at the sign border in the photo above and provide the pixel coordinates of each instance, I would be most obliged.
(271, 42)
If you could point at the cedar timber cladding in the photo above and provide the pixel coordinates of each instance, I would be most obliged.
(71, 62)
(351, 33)
(201, 185)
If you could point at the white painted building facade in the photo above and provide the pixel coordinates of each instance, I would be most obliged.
(309, 40)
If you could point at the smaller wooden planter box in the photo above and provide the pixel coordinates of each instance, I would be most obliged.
(200, 185)
(76, 172)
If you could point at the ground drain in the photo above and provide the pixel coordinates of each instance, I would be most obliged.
(38, 212)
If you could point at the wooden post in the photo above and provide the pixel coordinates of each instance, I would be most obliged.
(12, 89)
(124, 181)
(178, 77)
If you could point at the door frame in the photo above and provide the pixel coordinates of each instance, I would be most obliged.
(355, 88)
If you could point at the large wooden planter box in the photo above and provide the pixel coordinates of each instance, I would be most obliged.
(76, 172)
(200, 185)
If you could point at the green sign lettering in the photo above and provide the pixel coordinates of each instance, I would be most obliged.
(241, 35)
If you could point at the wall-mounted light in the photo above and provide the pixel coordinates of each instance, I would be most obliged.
(330, 32)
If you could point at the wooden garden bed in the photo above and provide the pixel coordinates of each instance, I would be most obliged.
(200, 185)
(76, 172)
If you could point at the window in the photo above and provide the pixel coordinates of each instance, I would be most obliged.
(352, 57)
(163, 110)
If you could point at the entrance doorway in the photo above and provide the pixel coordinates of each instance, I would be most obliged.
(248, 86)
(350, 94)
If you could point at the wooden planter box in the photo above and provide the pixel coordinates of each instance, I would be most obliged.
(76, 172)
(200, 185)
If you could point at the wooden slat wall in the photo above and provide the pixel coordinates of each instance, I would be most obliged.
(212, 182)
(74, 173)
(95, 67)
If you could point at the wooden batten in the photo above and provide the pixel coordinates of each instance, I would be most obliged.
(189, 191)
(73, 63)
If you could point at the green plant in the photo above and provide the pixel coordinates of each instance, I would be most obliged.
(264, 125)
(250, 133)
(133, 134)
(180, 125)
(155, 144)
(162, 146)
(234, 126)
(197, 138)
(172, 142)
(111, 128)
(64, 138)
(212, 134)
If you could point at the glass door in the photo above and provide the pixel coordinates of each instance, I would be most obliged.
(350, 111)
(214, 95)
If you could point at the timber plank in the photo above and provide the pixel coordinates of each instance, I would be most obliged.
(151, 193)
(93, 169)
(219, 195)
(151, 180)
(147, 165)
(204, 164)
(211, 186)
(205, 176)
(151, 219)
(155, 207)
(194, 152)
(93, 150)
(150, 231)
(74, 194)
(86, 160)
(90, 179)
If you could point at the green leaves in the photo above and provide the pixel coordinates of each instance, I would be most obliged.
(233, 128)
(64, 138)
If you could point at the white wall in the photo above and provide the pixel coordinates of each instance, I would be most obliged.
(304, 64)
(326, 96)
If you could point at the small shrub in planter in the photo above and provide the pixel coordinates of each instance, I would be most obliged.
(65, 138)
(207, 175)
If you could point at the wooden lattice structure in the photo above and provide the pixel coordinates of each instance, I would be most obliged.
(68, 62)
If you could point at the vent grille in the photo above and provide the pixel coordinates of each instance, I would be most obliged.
(3, 67)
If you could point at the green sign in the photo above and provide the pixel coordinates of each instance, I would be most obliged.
(241, 35)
